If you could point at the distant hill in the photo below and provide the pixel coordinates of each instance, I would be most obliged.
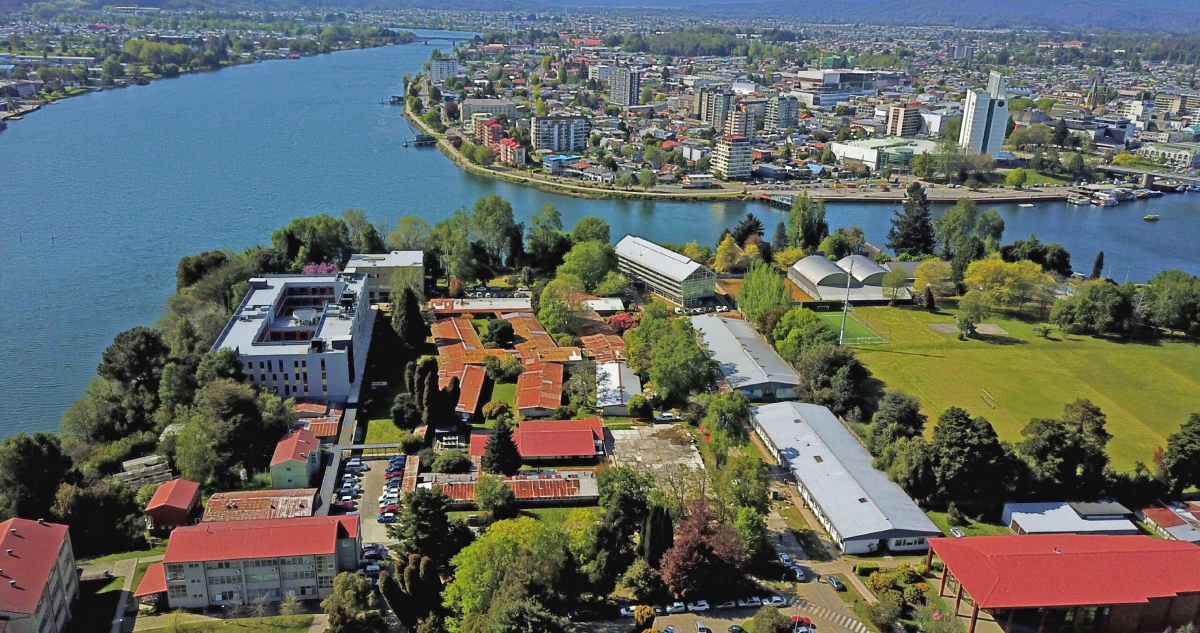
(1141, 15)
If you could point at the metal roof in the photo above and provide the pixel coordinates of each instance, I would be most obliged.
(828, 461)
(386, 260)
(1059, 517)
(615, 384)
(863, 267)
(655, 257)
(818, 269)
(744, 358)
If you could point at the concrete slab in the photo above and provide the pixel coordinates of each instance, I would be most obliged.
(943, 328)
(654, 448)
(991, 329)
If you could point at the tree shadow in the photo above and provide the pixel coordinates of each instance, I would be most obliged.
(998, 339)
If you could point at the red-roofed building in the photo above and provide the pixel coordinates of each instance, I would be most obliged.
(539, 390)
(510, 152)
(217, 563)
(554, 489)
(39, 581)
(174, 503)
(543, 440)
(1051, 583)
(297, 458)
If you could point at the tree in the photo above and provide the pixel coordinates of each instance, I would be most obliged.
(313, 240)
(494, 496)
(523, 616)
(1099, 307)
(912, 229)
(1098, 266)
(923, 165)
(752, 528)
(519, 557)
(590, 229)
(899, 415)
(763, 289)
(31, 469)
(589, 261)
(352, 605)
(500, 456)
(779, 241)
(937, 276)
(927, 300)
(646, 178)
(452, 462)
(727, 256)
(895, 280)
(411, 234)
(806, 225)
(492, 221)
(1181, 459)
(220, 364)
(614, 284)
(1006, 283)
(405, 414)
(104, 516)
(424, 528)
(657, 535)
(614, 480)
(1068, 455)
(291, 605)
(544, 240)
(704, 556)
(749, 226)
(1016, 178)
(407, 320)
(1171, 300)
(885, 613)
(769, 620)
(969, 462)
(1061, 132)
(830, 375)
(196, 450)
(135, 359)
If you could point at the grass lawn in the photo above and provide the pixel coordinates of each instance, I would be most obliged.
(854, 329)
(550, 516)
(188, 623)
(1147, 390)
(155, 551)
(381, 431)
(504, 392)
(139, 572)
(1034, 178)
(976, 528)
(481, 326)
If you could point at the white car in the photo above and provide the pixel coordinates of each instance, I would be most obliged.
(627, 612)
(775, 601)
(752, 601)
(785, 559)
(726, 605)
(698, 606)
(665, 417)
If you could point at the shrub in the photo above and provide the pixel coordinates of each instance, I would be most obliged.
(879, 582)
(495, 409)
(639, 407)
(452, 462)
(886, 613)
(914, 595)
(866, 569)
(908, 574)
(410, 443)
(956, 517)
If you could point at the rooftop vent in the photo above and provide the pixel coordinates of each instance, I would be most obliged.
(9, 551)
(12, 583)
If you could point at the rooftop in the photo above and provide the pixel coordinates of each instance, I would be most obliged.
(394, 259)
(262, 538)
(655, 257)
(744, 358)
(540, 386)
(829, 462)
(1051, 517)
(558, 438)
(177, 493)
(35, 547)
(284, 313)
(616, 383)
(1045, 570)
(296, 445)
(243, 505)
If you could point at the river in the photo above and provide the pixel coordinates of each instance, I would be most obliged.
(102, 194)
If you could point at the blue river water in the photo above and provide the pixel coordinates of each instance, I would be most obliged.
(102, 194)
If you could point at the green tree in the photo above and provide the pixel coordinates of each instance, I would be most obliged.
(895, 280)
(613, 480)
(514, 557)
(452, 462)
(408, 322)
(969, 462)
(657, 536)
(494, 496)
(1098, 266)
(220, 364)
(424, 528)
(1068, 455)
(763, 289)
(195, 450)
(589, 261)
(770, 620)
(31, 469)
(501, 456)
(1016, 178)
(646, 178)
(590, 229)
(1180, 462)
(493, 224)
(752, 528)
(799, 329)
(104, 516)
(899, 415)
(806, 225)
(352, 607)
(912, 229)
(412, 233)
(135, 359)
(544, 240)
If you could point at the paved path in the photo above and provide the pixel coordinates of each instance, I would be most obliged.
(839, 619)
(320, 622)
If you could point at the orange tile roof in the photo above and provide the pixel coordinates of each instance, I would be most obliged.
(604, 348)
(295, 446)
(154, 581)
(244, 505)
(262, 538)
(470, 385)
(306, 409)
(524, 488)
(540, 386)
(324, 429)
(177, 493)
(457, 330)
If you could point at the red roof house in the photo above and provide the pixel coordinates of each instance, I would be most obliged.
(560, 439)
(174, 503)
(296, 460)
(539, 390)
(38, 565)
(1124, 584)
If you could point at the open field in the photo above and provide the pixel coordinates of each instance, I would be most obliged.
(854, 329)
(1147, 389)
(192, 623)
(974, 529)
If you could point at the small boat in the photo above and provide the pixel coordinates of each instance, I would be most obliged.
(1121, 193)
(1150, 218)
(1078, 199)
(1025, 206)
(1141, 194)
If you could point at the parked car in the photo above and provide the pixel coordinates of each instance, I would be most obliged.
(736, 629)
(676, 607)
(785, 559)
(700, 628)
(627, 612)
(836, 583)
(342, 505)
(726, 605)
(797, 573)
(752, 601)
(665, 417)
(387, 517)
(472, 519)
(698, 606)
(658, 609)
(957, 533)
(775, 601)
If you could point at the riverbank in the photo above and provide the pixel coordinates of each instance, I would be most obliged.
(729, 191)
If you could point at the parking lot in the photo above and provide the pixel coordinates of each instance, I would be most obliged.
(372, 482)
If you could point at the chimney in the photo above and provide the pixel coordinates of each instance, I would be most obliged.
(9, 551)
(41, 522)
(12, 531)
(12, 583)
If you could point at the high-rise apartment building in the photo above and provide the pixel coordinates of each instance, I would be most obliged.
(985, 117)
(783, 111)
(625, 85)
(442, 69)
(714, 103)
(739, 123)
(904, 120)
(559, 133)
(599, 72)
(732, 158)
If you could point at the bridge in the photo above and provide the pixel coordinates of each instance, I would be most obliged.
(1146, 177)
(445, 38)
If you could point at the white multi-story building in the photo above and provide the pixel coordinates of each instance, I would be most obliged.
(783, 111)
(714, 103)
(739, 123)
(599, 72)
(382, 270)
(625, 86)
(985, 117)
(559, 133)
(39, 581)
(442, 69)
(732, 158)
(492, 107)
(297, 334)
(1185, 155)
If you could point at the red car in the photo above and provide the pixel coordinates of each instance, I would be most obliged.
(343, 505)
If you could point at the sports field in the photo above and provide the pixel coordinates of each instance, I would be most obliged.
(1147, 389)
(855, 331)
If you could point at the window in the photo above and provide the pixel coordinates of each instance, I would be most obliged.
(177, 591)
(818, 459)
(220, 565)
(325, 582)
